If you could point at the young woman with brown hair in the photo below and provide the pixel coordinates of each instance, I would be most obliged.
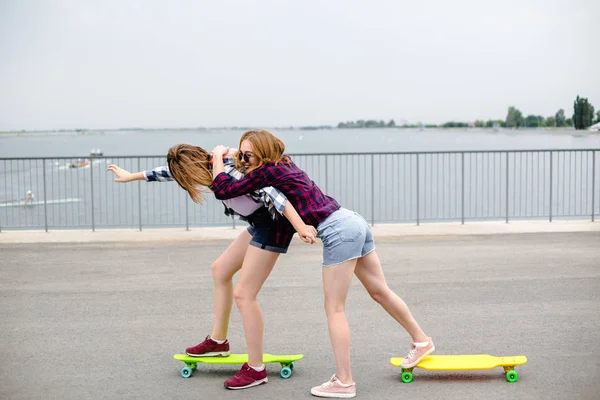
(255, 250)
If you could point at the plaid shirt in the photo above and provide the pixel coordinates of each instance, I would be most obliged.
(312, 205)
(272, 198)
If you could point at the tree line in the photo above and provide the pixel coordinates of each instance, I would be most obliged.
(583, 117)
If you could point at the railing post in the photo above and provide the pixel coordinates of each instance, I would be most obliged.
(327, 175)
(187, 213)
(593, 182)
(372, 190)
(139, 196)
(462, 197)
(417, 189)
(45, 201)
(92, 195)
(551, 169)
(507, 174)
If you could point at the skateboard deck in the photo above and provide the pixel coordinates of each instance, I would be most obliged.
(286, 362)
(463, 363)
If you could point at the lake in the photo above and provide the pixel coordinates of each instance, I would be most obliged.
(474, 182)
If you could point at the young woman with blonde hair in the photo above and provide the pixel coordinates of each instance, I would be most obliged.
(348, 249)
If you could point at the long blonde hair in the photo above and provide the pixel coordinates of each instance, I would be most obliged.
(265, 146)
(190, 167)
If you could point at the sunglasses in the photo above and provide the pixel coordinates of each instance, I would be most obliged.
(245, 156)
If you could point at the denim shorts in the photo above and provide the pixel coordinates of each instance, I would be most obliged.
(345, 235)
(265, 238)
(263, 230)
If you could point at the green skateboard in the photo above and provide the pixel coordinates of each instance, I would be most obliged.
(286, 361)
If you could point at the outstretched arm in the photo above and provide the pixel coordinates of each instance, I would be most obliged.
(125, 176)
(158, 174)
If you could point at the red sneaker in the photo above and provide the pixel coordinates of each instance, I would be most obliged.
(246, 378)
(209, 348)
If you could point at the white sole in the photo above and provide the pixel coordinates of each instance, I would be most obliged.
(332, 395)
(255, 383)
(216, 354)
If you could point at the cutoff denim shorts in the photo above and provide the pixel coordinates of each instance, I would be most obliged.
(345, 235)
(266, 239)
(263, 230)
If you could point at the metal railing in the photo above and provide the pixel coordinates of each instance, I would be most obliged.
(406, 187)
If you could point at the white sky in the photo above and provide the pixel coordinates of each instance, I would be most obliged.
(117, 63)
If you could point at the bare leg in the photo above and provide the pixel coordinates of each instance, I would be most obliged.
(369, 272)
(223, 270)
(336, 283)
(258, 264)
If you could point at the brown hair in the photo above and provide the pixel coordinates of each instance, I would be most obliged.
(265, 146)
(190, 167)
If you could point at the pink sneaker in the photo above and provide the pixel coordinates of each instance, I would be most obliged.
(335, 388)
(246, 378)
(209, 348)
(417, 353)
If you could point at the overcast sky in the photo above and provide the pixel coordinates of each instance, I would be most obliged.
(120, 63)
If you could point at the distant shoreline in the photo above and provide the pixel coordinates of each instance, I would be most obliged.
(93, 132)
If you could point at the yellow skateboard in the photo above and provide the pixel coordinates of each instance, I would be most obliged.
(286, 361)
(463, 363)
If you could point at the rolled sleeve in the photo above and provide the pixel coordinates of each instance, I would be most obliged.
(277, 199)
(158, 174)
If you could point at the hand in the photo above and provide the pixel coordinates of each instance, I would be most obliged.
(220, 151)
(232, 152)
(122, 175)
(308, 234)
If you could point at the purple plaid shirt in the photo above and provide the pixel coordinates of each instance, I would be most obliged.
(312, 205)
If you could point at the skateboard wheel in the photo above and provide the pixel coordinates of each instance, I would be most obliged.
(512, 376)
(407, 377)
(286, 372)
(186, 372)
(292, 366)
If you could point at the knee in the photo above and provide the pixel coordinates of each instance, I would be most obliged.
(379, 294)
(334, 307)
(219, 273)
(242, 297)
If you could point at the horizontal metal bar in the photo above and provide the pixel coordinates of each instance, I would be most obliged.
(322, 154)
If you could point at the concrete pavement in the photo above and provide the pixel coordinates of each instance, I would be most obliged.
(101, 319)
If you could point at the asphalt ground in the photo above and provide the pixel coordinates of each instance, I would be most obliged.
(102, 320)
